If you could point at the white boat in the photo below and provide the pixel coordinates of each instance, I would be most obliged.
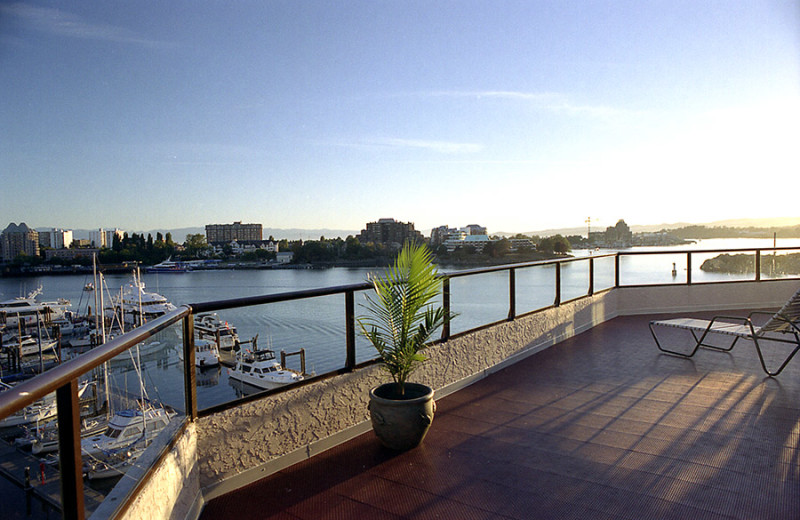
(28, 311)
(137, 305)
(128, 429)
(206, 353)
(112, 466)
(28, 345)
(39, 412)
(209, 325)
(44, 439)
(168, 266)
(259, 368)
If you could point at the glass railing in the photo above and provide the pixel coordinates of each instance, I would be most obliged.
(118, 406)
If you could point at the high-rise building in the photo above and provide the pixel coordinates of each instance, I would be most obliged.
(104, 237)
(19, 240)
(218, 233)
(55, 238)
(389, 232)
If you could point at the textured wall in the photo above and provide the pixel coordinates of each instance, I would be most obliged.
(173, 492)
(236, 445)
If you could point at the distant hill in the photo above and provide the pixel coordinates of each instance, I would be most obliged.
(646, 228)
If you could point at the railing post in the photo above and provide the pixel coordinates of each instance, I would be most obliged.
(558, 285)
(446, 307)
(616, 271)
(69, 449)
(689, 268)
(512, 294)
(591, 276)
(189, 376)
(758, 265)
(350, 330)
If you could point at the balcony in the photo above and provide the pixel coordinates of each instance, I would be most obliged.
(601, 425)
(557, 411)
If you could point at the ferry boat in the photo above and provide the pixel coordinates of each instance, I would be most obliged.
(27, 311)
(168, 266)
(259, 368)
(209, 325)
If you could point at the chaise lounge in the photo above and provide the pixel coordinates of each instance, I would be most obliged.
(782, 327)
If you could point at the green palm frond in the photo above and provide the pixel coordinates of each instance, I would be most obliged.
(401, 315)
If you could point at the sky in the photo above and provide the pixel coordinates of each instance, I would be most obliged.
(515, 115)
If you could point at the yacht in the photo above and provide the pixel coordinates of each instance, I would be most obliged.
(209, 326)
(137, 305)
(206, 353)
(29, 345)
(128, 428)
(259, 368)
(168, 266)
(27, 311)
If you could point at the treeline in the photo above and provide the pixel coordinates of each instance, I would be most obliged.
(703, 232)
(772, 265)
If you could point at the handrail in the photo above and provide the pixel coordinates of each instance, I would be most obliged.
(27, 392)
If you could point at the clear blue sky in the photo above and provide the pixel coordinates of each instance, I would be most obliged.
(516, 115)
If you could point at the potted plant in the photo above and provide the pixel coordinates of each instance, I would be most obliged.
(400, 319)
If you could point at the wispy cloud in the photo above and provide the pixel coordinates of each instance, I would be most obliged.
(553, 101)
(445, 147)
(62, 23)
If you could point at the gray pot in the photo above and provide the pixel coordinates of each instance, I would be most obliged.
(401, 424)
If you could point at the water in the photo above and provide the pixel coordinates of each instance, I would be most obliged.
(318, 324)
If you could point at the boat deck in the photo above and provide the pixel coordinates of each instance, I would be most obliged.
(601, 426)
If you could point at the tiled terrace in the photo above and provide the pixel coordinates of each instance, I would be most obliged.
(600, 426)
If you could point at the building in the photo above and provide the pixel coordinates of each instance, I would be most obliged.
(226, 233)
(389, 232)
(474, 229)
(19, 240)
(70, 254)
(239, 247)
(104, 238)
(55, 238)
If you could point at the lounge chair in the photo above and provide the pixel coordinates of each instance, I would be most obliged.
(782, 327)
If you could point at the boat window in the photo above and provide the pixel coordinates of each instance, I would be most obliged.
(112, 433)
(245, 369)
(257, 371)
(130, 432)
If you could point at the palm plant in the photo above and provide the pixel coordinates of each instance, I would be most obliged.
(401, 315)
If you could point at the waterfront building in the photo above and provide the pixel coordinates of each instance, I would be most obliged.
(104, 238)
(19, 240)
(226, 233)
(55, 238)
(389, 232)
(239, 247)
(71, 253)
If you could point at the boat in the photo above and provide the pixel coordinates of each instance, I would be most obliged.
(127, 429)
(259, 368)
(206, 353)
(168, 266)
(209, 325)
(26, 310)
(28, 345)
(38, 412)
(44, 439)
(111, 466)
(137, 305)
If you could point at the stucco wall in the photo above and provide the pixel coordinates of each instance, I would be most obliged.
(246, 443)
(172, 492)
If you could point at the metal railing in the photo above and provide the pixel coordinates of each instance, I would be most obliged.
(63, 379)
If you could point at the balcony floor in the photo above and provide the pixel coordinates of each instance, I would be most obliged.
(601, 426)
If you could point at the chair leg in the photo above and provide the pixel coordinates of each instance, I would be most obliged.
(714, 347)
(785, 361)
(675, 352)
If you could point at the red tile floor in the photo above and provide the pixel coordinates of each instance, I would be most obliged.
(601, 426)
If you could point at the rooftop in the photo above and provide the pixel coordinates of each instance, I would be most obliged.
(601, 425)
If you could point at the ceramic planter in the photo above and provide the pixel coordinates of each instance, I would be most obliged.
(401, 423)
